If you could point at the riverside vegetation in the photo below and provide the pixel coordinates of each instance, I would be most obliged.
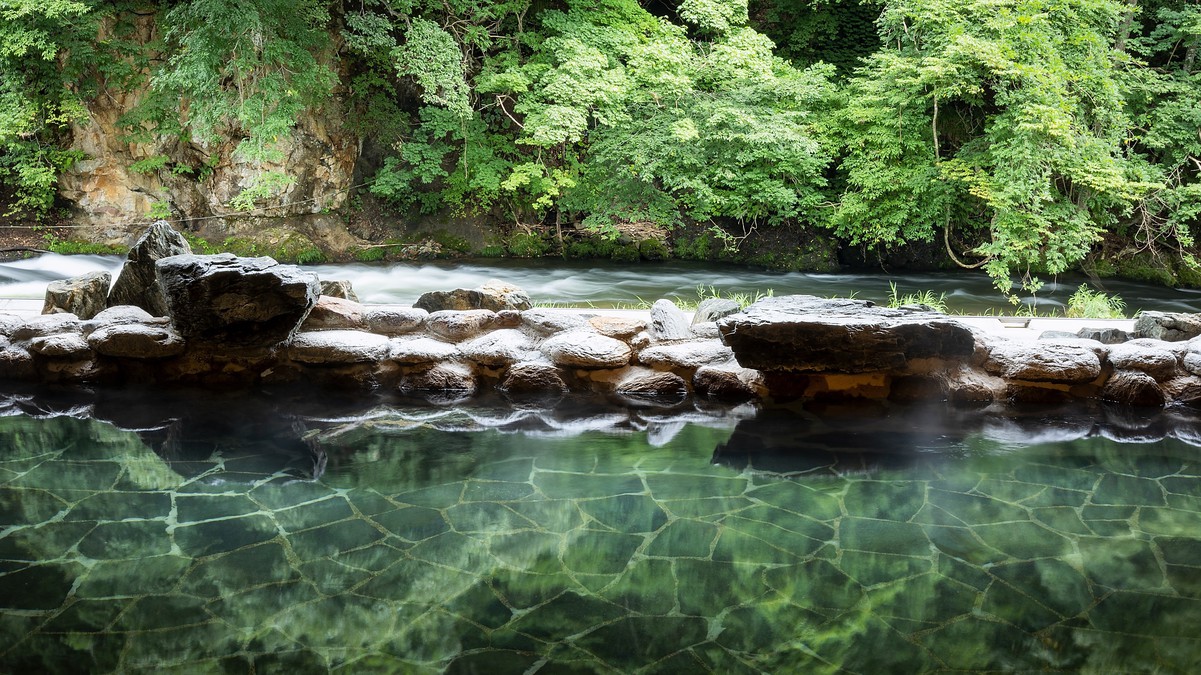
(1025, 137)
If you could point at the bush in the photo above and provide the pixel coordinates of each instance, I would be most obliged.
(1086, 303)
(528, 245)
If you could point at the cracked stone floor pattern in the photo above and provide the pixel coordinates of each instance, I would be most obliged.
(425, 550)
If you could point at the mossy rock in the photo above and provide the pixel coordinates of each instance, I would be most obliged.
(625, 253)
(653, 249)
(528, 245)
(278, 243)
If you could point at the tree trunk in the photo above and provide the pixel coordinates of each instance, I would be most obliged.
(1119, 44)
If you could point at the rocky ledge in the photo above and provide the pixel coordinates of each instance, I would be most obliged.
(228, 321)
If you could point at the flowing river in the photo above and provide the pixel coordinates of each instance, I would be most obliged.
(601, 284)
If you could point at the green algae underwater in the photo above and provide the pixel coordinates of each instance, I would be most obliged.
(427, 538)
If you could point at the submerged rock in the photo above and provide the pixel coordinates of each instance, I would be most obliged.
(239, 302)
(84, 296)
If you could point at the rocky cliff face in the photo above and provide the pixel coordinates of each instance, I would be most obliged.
(115, 203)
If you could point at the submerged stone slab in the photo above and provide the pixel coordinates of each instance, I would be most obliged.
(239, 302)
(803, 333)
(586, 349)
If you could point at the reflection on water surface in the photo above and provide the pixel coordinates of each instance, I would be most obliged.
(593, 538)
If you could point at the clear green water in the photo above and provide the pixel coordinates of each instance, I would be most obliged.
(437, 541)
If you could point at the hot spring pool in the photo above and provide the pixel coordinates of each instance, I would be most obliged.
(290, 535)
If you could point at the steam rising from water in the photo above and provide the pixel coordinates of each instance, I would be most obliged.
(600, 284)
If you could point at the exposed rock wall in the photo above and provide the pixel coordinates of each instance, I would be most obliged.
(112, 202)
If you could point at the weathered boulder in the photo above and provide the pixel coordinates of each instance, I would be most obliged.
(84, 296)
(1167, 326)
(1106, 336)
(332, 313)
(586, 349)
(493, 294)
(238, 302)
(46, 324)
(15, 362)
(533, 378)
(459, 326)
(686, 355)
(443, 377)
(136, 341)
(498, 348)
(393, 320)
(618, 327)
(550, 321)
(339, 346)
(729, 383)
(66, 345)
(712, 309)
(1150, 358)
(339, 288)
(803, 333)
(1044, 362)
(419, 350)
(121, 314)
(650, 384)
(1135, 388)
(137, 284)
(668, 322)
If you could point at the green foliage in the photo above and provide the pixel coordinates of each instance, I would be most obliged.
(1086, 303)
(76, 247)
(528, 245)
(937, 303)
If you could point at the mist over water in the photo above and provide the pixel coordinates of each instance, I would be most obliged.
(603, 284)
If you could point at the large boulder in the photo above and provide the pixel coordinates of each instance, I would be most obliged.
(137, 284)
(804, 333)
(1167, 326)
(84, 296)
(237, 302)
(494, 295)
(1044, 362)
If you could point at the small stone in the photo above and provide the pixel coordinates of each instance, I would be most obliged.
(339, 346)
(498, 348)
(686, 355)
(47, 324)
(334, 313)
(136, 341)
(712, 309)
(550, 321)
(84, 296)
(459, 326)
(419, 350)
(668, 322)
(533, 378)
(617, 327)
(727, 384)
(1133, 388)
(1106, 336)
(651, 384)
(444, 377)
(394, 320)
(61, 345)
(340, 288)
(586, 349)
(1159, 363)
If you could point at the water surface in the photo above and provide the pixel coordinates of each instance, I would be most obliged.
(606, 284)
(217, 536)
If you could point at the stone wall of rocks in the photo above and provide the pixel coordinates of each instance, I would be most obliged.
(248, 321)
